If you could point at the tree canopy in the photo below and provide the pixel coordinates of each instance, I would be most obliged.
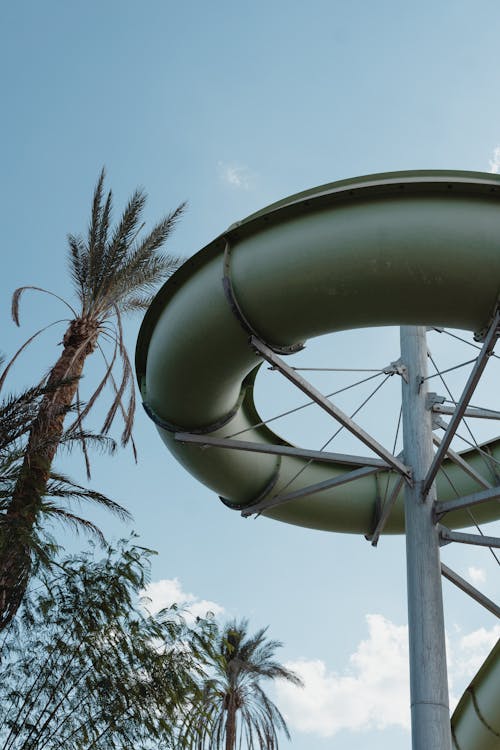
(84, 666)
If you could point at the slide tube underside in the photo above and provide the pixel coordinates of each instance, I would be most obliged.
(418, 248)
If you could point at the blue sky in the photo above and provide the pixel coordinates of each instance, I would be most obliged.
(232, 106)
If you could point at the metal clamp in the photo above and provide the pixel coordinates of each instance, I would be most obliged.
(246, 508)
(238, 312)
(171, 427)
(397, 368)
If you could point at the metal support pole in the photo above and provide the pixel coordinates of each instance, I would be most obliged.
(430, 714)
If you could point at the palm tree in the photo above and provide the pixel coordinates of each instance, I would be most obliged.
(230, 705)
(114, 272)
(17, 414)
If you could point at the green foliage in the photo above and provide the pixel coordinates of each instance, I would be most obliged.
(230, 705)
(83, 666)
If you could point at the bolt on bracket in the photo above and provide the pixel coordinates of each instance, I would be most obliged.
(397, 368)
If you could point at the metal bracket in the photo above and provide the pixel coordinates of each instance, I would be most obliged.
(397, 368)
(248, 505)
(432, 399)
(171, 427)
(237, 310)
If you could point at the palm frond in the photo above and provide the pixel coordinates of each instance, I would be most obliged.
(127, 375)
(76, 523)
(97, 268)
(96, 215)
(95, 395)
(118, 247)
(77, 264)
(23, 347)
(143, 267)
(101, 443)
(16, 298)
(17, 413)
(63, 487)
(81, 437)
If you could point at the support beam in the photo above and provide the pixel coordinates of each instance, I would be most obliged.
(459, 461)
(479, 540)
(467, 501)
(472, 411)
(430, 713)
(386, 512)
(279, 450)
(477, 371)
(329, 407)
(467, 588)
(349, 476)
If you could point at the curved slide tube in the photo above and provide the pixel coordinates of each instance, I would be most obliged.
(475, 724)
(415, 248)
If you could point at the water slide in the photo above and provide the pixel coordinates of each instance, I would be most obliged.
(405, 248)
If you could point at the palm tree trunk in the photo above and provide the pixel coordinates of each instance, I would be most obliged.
(44, 438)
(231, 724)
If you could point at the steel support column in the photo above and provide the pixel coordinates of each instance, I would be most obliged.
(430, 714)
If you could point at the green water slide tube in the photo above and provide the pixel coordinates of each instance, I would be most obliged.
(405, 248)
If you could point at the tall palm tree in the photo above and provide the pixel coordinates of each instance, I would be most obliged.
(231, 705)
(114, 272)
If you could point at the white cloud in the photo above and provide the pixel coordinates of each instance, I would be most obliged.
(372, 691)
(495, 161)
(169, 591)
(235, 175)
(476, 575)
(470, 650)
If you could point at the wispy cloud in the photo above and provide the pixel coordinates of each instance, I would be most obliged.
(476, 575)
(235, 175)
(372, 691)
(468, 652)
(495, 161)
(169, 591)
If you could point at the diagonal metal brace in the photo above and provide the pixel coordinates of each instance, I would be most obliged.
(272, 502)
(457, 459)
(386, 512)
(466, 587)
(446, 536)
(472, 411)
(477, 370)
(466, 502)
(329, 407)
